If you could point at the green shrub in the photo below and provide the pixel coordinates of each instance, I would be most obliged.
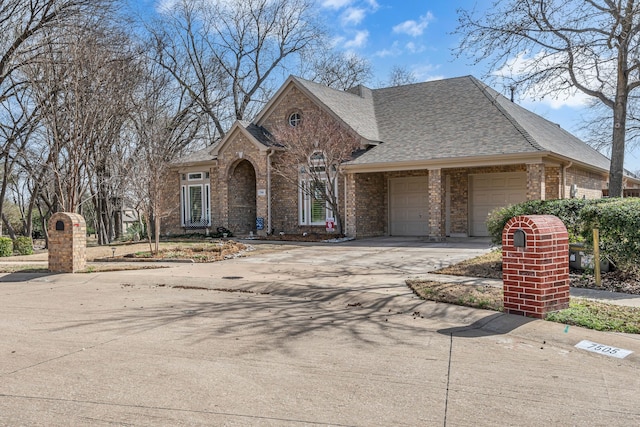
(135, 232)
(6, 246)
(568, 210)
(618, 221)
(23, 245)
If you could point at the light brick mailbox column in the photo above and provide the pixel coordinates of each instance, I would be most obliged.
(67, 243)
(535, 265)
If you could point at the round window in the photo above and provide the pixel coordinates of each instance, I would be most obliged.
(295, 119)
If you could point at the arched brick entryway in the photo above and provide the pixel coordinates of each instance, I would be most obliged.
(242, 198)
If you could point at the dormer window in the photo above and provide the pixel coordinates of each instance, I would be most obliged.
(295, 119)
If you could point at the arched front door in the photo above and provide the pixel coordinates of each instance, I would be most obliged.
(242, 198)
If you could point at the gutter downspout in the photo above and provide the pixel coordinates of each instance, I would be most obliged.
(270, 153)
(564, 179)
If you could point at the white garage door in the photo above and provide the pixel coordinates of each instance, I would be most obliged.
(494, 190)
(409, 206)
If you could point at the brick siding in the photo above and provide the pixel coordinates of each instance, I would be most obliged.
(366, 205)
(67, 245)
(552, 176)
(590, 184)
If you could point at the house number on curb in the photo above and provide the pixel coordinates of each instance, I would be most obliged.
(607, 350)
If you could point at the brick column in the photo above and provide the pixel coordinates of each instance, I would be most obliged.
(349, 205)
(67, 243)
(536, 182)
(552, 182)
(436, 231)
(262, 195)
(535, 274)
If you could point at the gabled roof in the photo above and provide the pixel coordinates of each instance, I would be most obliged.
(202, 155)
(355, 108)
(453, 120)
(462, 118)
(257, 134)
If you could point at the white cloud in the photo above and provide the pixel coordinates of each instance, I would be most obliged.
(353, 16)
(426, 72)
(164, 6)
(359, 40)
(415, 48)
(336, 4)
(373, 4)
(394, 50)
(414, 28)
(544, 93)
(569, 98)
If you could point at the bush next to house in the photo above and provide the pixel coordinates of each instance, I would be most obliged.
(618, 221)
(23, 245)
(568, 210)
(6, 246)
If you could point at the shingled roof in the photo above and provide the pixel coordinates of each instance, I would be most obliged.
(207, 154)
(354, 107)
(454, 119)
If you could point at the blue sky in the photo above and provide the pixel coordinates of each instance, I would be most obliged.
(417, 35)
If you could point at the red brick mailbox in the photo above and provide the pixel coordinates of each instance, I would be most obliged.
(535, 265)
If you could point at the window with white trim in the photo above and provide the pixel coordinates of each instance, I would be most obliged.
(195, 202)
(313, 203)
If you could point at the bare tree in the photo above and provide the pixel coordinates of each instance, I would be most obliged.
(337, 70)
(18, 120)
(22, 24)
(399, 76)
(163, 125)
(312, 158)
(555, 46)
(182, 44)
(224, 53)
(81, 80)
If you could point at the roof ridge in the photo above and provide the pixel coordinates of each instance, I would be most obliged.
(323, 86)
(494, 100)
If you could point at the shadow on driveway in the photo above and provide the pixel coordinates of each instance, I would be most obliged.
(496, 324)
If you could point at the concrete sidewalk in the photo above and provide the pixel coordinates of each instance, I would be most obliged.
(304, 336)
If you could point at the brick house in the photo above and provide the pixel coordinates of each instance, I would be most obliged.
(439, 156)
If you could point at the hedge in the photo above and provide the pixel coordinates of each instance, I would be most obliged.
(6, 246)
(23, 245)
(618, 221)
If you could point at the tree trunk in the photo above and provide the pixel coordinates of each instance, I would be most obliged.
(156, 232)
(617, 152)
(616, 168)
(148, 222)
(10, 230)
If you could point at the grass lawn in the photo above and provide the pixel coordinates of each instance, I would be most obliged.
(581, 312)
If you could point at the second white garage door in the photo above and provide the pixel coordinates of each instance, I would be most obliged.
(494, 190)
(409, 206)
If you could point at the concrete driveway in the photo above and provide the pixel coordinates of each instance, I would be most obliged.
(305, 335)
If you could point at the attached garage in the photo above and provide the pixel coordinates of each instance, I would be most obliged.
(409, 206)
(493, 190)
